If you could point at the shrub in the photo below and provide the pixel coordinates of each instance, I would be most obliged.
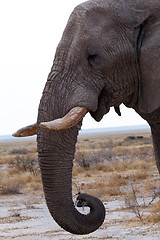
(11, 188)
(89, 159)
(131, 201)
(25, 164)
(19, 151)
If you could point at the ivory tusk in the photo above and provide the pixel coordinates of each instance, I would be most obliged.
(26, 131)
(69, 120)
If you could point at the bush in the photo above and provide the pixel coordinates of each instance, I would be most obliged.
(11, 188)
(88, 160)
(25, 164)
(19, 151)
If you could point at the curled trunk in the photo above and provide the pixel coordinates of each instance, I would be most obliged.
(56, 153)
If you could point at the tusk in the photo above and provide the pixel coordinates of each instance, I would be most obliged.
(69, 120)
(26, 131)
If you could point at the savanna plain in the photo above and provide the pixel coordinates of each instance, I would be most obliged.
(119, 169)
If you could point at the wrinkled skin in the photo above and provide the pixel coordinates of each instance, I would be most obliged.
(108, 55)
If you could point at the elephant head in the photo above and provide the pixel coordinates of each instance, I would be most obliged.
(100, 62)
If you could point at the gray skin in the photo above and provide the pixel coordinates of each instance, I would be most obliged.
(108, 55)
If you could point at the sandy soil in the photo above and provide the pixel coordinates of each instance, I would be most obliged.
(27, 217)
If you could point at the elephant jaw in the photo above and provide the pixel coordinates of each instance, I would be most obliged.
(74, 116)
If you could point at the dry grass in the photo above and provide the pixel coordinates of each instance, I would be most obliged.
(102, 162)
(19, 170)
(155, 213)
(19, 182)
(10, 189)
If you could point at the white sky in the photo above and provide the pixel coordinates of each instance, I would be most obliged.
(29, 33)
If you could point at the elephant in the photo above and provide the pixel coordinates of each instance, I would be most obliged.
(108, 55)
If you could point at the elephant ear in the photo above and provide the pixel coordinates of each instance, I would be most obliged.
(148, 51)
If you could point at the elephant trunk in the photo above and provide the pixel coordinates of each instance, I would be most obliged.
(58, 194)
(56, 153)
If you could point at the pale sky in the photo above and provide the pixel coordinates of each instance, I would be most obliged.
(29, 33)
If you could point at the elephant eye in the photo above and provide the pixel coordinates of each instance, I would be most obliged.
(92, 59)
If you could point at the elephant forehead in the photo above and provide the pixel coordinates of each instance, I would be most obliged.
(91, 16)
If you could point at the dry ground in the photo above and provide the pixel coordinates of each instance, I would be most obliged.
(119, 169)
